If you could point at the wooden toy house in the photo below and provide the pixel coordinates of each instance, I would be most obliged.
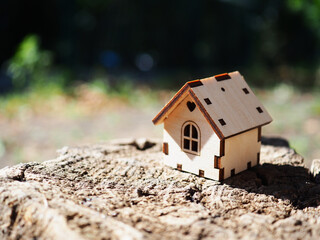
(212, 127)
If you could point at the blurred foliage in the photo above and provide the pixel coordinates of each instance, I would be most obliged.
(310, 11)
(161, 43)
(33, 67)
(316, 105)
(296, 116)
(29, 64)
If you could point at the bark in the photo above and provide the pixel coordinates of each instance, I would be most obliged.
(315, 170)
(122, 190)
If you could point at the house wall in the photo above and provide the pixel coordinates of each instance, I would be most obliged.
(239, 150)
(209, 142)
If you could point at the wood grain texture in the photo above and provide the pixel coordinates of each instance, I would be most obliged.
(209, 142)
(117, 191)
(207, 116)
(237, 109)
(239, 150)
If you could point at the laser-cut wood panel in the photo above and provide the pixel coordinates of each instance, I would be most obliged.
(208, 144)
(237, 109)
(213, 127)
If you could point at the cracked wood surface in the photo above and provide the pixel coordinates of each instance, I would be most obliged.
(122, 190)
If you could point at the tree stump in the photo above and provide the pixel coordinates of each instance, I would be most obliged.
(122, 190)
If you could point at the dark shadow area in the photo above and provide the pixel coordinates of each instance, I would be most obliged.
(274, 141)
(285, 182)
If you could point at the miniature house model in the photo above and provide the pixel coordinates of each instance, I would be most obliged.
(212, 127)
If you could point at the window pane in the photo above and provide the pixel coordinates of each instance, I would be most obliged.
(194, 146)
(194, 132)
(187, 131)
(186, 144)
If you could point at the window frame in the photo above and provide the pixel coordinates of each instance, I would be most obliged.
(190, 138)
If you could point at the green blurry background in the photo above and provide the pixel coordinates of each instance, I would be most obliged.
(85, 71)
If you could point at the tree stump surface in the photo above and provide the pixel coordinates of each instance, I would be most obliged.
(122, 190)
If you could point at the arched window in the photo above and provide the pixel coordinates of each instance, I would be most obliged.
(190, 138)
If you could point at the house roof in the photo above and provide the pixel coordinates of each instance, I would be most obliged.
(225, 100)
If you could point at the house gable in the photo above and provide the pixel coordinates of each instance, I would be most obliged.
(174, 123)
(186, 90)
(209, 143)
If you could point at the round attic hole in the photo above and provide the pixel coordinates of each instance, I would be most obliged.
(222, 89)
